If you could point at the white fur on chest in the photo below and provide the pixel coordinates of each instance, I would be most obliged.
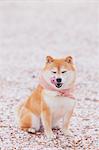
(58, 105)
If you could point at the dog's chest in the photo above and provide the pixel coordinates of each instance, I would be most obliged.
(58, 105)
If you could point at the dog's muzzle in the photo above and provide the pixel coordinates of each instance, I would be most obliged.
(58, 82)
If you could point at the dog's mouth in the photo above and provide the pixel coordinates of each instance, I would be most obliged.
(58, 85)
(55, 83)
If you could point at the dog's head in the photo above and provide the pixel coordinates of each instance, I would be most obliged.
(60, 73)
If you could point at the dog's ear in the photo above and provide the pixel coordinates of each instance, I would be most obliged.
(69, 59)
(49, 59)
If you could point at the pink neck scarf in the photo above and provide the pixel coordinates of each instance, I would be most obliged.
(62, 92)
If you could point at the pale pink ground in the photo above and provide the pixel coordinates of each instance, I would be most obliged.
(28, 32)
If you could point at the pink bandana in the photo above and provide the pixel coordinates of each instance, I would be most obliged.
(62, 92)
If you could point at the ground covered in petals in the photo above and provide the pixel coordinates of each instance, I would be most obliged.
(28, 32)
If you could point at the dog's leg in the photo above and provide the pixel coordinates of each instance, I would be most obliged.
(28, 121)
(55, 124)
(47, 121)
(25, 122)
(66, 122)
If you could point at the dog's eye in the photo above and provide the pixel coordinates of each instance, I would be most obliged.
(64, 71)
(54, 72)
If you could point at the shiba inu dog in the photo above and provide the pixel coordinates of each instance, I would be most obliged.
(52, 99)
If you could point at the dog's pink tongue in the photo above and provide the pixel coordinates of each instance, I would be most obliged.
(53, 80)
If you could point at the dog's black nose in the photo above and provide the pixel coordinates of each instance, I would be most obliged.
(59, 80)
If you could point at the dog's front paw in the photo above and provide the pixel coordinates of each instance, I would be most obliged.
(31, 130)
(50, 136)
(67, 132)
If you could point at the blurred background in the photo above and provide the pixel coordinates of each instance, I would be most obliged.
(32, 29)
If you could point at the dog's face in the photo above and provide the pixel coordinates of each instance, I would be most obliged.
(59, 73)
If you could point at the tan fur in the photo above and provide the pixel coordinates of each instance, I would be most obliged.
(41, 104)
